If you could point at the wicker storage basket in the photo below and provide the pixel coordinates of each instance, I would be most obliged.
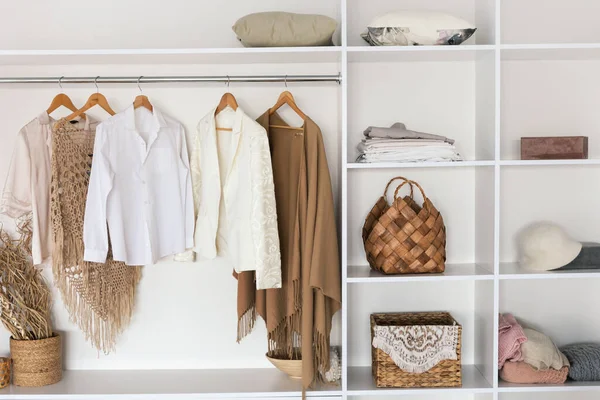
(4, 372)
(405, 238)
(36, 362)
(386, 373)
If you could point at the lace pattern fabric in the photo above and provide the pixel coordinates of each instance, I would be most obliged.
(99, 297)
(264, 217)
(417, 348)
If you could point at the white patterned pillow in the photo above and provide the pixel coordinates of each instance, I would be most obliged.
(417, 28)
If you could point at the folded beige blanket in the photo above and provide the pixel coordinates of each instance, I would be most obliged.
(540, 352)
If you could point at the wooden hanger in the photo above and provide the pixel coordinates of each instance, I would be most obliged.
(226, 100)
(142, 100)
(96, 99)
(61, 100)
(287, 98)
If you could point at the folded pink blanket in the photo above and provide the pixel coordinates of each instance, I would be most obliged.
(521, 372)
(510, 337)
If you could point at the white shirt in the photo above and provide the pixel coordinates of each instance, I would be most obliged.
(141, 185)
(27, 187)
(234, 196)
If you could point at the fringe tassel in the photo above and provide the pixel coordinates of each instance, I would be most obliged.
(246, 323)
(321, 359)
(99, 311)
(285, 341)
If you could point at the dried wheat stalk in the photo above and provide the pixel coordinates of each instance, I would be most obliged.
(25, 301)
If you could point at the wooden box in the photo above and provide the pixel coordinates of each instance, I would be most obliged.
(554, 148)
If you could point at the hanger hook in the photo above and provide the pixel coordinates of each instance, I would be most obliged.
(96, 84)
(60, 83)
(138, 84)
(285, 81)
(228, 80)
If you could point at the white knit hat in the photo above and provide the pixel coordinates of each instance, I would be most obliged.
(546, 246)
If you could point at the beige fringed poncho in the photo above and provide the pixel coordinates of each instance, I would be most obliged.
(98, 297)
(298, 316)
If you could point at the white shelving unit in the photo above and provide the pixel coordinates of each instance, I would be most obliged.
(520, 75)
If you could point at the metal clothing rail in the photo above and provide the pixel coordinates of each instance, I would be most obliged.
(178, 79)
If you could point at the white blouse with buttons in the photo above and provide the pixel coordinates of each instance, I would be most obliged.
(140, 189)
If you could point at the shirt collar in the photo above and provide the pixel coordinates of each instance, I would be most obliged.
(159, 119)
(45, 119)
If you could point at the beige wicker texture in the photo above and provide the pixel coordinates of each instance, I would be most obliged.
(4, 372)
(447, 373)
(405, 238)
(36, 362)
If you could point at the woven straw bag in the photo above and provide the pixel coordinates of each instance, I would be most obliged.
(405, 238)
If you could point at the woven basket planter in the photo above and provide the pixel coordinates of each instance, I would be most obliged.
(4, 372)
(387, 374)
(405, 238)
(36, 362)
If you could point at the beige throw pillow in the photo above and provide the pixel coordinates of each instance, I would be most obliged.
(282, 29)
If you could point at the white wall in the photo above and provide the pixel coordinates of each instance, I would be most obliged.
(543, 21)
(451, 191)
(550, 396)
(550, 306)
(419, 94)
(186, 313)
(136, 23)
(436, 397)
(454, 297)
(549, 98)
(567, 196)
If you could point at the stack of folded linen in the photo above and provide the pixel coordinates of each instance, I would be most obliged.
(528, 356)
(398, 144)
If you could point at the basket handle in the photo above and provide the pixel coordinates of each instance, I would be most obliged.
(407, 182)
(402, 184)
(411, 191)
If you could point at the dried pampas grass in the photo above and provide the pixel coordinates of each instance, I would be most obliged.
(25, 300)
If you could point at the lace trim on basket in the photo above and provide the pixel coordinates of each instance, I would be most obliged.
(417, 348)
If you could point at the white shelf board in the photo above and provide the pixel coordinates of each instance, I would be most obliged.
(360, 383)
(168, 384)
(558, 51)
(569, 386)
(454, 272)
(234, 55)
(450, 164)
(514, 271)
(549, 162)
(416, 53)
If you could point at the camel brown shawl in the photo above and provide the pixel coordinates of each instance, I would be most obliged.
(98, 297)
(298, 316)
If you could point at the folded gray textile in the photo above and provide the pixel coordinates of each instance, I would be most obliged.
(399, 131)
(588, 258)
(585, 361)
